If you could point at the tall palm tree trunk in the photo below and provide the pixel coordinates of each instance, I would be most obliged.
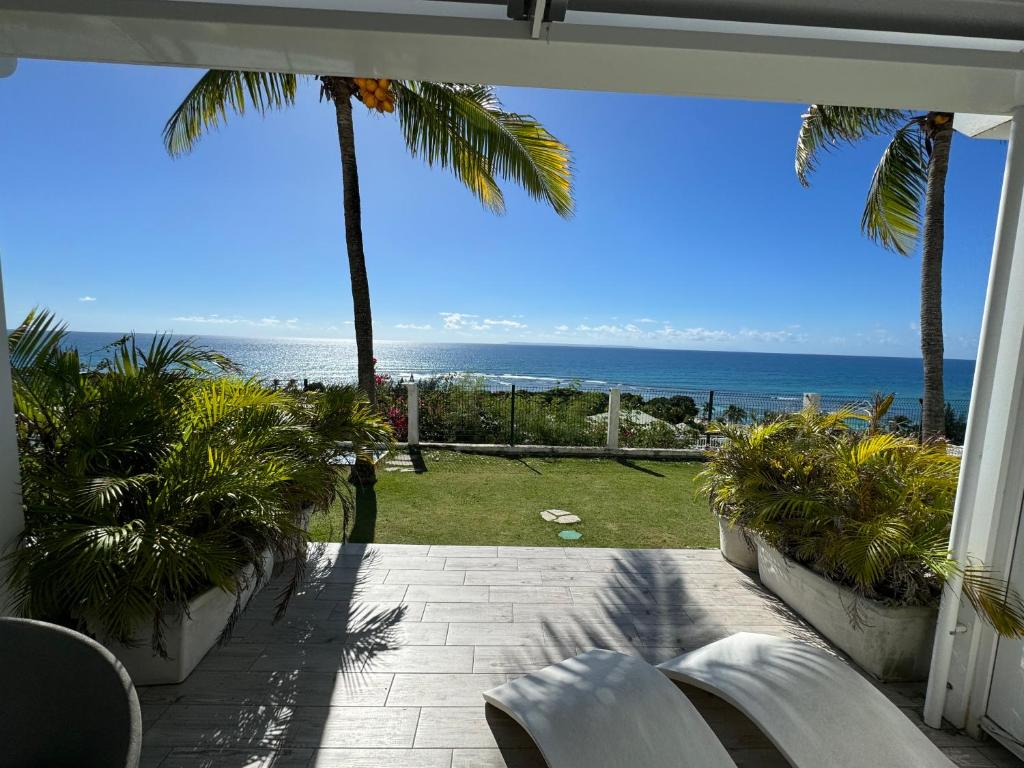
(341, 95)
(933, 412)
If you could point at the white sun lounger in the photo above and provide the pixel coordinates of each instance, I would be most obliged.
(607, 710)
(817, 710)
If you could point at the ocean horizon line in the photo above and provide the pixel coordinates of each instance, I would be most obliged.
(571, 345)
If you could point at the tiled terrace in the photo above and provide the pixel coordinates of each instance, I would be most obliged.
(382, 658)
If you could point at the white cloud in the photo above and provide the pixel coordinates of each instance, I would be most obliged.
(217, 319)
(455, 321)
(612, 330)
(87, 298)
(784, 335)
(412, 327)
(209, 319)
(462, 321)
(699, 335)
(505, 323)
(646, 321)
(561, 328)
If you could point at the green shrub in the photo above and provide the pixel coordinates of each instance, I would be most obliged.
(153, 477)
(867, 509)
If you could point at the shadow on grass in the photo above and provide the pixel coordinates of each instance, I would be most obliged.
(529, 466)
(364, 527)
(629, 463)
(418, 464)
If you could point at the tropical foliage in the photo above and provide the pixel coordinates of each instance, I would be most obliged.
(905, 203)
(868, 509)
(158, 474)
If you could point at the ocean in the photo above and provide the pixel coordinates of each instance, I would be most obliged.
(537, 365)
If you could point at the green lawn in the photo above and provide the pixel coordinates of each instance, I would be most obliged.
(465, 499)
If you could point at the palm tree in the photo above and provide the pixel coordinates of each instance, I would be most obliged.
(905, 203)
(463, 128)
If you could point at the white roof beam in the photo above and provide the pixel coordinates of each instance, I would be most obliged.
(775, 64)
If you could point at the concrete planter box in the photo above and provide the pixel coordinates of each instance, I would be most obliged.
(892, 644)
(288, 553)
(735, 545)
(188, 637)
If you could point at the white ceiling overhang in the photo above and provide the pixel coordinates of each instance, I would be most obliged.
(870, 52)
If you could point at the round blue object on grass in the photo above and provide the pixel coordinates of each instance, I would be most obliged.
(570, 535)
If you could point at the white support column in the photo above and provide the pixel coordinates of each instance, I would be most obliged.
(989, 495)
(613, 418)
(413, 413)
(812, 400)
(12, 519)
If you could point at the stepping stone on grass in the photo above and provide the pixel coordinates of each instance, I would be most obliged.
(570, 535)
(559, 516)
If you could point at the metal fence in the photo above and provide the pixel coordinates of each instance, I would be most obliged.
(455, 409)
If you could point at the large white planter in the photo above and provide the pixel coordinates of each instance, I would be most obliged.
(287, 553)
(735, 545)
(188, 638)
(890, 643)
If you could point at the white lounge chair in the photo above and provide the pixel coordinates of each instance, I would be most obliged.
(817, 710)
(610, 710)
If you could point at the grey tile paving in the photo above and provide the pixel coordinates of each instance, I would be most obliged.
(468, 728)
(494, 758)
(481, 563)
(530, 595)
(467, 612)
(518, 659)
(498, 633)
(381, 758)
(544, 553)
(441, 594)
(383, 656)
(440, 550)
(498, 578)
(432, 577)
(236, 758)
(430, 690)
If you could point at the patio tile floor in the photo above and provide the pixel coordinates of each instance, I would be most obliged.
(383, 656)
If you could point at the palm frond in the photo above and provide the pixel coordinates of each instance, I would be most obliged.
(35, 338)
(825, 126)
(995, 600)
(892, 213)
(206, 106)
(465, 128)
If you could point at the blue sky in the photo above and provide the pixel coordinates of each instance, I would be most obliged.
(691, 229)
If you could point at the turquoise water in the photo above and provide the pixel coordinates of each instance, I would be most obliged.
(547, 365)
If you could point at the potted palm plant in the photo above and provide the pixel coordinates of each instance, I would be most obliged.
(852, 529)
(157, 487)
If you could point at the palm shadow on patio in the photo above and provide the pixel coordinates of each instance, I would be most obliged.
(657, 604)
(266, 696)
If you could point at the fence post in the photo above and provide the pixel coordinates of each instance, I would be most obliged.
(711, 406)
(812, 400)
(412, 408)
(512, 419)
(613, 417)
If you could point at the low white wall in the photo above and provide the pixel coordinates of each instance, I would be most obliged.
(567, 451)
